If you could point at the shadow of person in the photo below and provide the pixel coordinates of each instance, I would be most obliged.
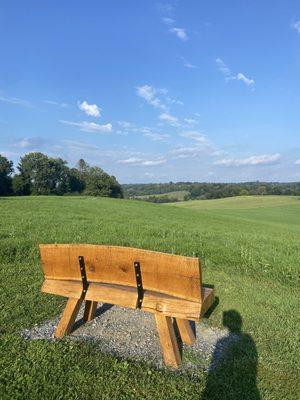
(233, 369)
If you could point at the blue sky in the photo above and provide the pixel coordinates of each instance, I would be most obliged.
(154, 91)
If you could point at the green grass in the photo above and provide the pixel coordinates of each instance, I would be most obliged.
(240, 202)
(251, 254)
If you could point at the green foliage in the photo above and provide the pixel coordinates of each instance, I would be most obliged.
(201, 191)
(6, 169)
(249, 251)
(43, 175)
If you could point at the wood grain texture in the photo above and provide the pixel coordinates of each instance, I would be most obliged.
(185, 330)
(167, 305)
(89, 310)
(68, 317)
(168, 340)
(119, 295)
(64, 288)
(164, 273)
(208, 298)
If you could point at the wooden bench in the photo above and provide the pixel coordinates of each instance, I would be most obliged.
(169, 286)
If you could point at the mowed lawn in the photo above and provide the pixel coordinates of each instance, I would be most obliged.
(251, 254)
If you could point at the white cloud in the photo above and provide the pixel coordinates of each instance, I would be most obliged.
(265, 159)
(168, 118)
(90, 126)
(243, 78)
(203, 144)
(90, 109)
(126, 125)
(149, 94)
(297, 162)
(296, 26)
(15, 100)
(223, 67)
(191, 121)
(168, 21)
(142, 162)
(30, 143)
(180, 33)
(156, 137)
(188, 64)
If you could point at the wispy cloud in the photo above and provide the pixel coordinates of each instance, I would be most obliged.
(143, 162)
(243, 78)
(191, 121)
(157, 97)
(164, 7)
(30, 143)
(16, 101)
(168, 21)
(297, 162)
(180, 33)
(150, 95)
(56, 103)
(222, 67)
(203, 144)
(89, 126)
(188, 64)
(89, 109)
(147, 132)
(296, 26)
(157, 137)
(225, 70)
(169, 119)
(265, 159)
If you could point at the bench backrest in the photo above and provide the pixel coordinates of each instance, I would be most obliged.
(163, 273)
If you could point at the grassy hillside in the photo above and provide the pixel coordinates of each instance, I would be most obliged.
(250, 254)
(240, 202)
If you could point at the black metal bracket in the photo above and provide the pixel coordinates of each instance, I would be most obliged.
(139, 284)
(85, 283)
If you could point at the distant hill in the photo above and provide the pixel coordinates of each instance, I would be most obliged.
(205, 191)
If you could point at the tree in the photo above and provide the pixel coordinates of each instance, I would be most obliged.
(99, 183)
(20, 185)
(44, 175)
(6, 169)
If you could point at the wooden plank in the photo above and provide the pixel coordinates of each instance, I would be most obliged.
(68, 317)
(119, 295)
(89, 310)
(168, 340)
(170, 306)
(62, 288)
(178, 276)
(208, 298)
(186, 332)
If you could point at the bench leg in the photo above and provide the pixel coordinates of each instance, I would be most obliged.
(186, 332)
(168, 340)
(89, 310)
(68, 317)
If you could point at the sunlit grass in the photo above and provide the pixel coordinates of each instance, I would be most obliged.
(250, 254)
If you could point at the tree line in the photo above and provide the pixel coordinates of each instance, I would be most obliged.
(38, 174)
(210, 190)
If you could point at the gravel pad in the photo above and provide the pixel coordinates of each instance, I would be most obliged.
(131, 334)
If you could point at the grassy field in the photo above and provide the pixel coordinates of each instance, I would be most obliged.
(240, 202)
(250, 249)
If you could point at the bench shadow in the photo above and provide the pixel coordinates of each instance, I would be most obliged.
(100, 310)
(233, 369)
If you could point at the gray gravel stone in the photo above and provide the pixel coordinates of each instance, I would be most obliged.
(131, 334)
